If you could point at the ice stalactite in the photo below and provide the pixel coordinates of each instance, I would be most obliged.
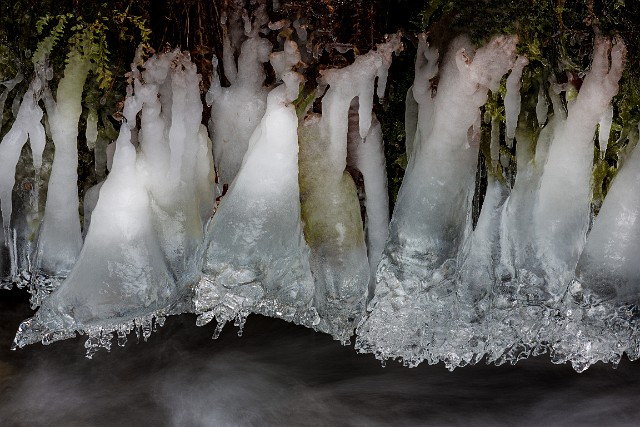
(256, 260)
(60, 235)
(542, 106)
(420, 102)
(512, 98)
(561, 222)
(366, 155)
(334, 232)
(26, 127)
(538, 263)
(431, 221)
(330, 209)
(236, 110)
(604, 130)
(599, 311)
(511, 320)
(139, 262)
(9, 85)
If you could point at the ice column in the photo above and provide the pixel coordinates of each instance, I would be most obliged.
(561, 213)
(512, 98)
(60, 236)
(236, 110)
(599, 321)
(139, 262)
(27, 126)
(367, 156)
(330, 208)
(420, 102)
(416, 276)
(256, 259)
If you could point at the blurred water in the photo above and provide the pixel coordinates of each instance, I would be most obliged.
(280, 374)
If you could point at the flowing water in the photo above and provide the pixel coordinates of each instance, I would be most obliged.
(280, 374)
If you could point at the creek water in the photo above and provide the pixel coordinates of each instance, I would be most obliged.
(284, 375)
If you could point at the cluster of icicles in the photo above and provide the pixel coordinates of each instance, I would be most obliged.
(288, 237)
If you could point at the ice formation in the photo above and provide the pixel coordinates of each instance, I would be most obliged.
(295, 223)
(138, 262)
(416, 283)
(27, 126)
(318, 277)
(256, 259)
(236, 110)
(60, 234)
(509, 287)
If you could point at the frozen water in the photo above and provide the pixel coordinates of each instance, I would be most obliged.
(341, 260)
(484, 257)
(236, 110)
(138, 262)
(601, 308)
(27, 126)
(512, 98)
(256, 259)
(416, 280)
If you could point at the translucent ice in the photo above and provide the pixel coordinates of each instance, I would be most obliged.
(26, 127)
(512, 98)
(60, 236)
(139, 260)
(330, 210)
(599, 312)
(431, 221)
(256, 259)
(236, 110)
(561, 213)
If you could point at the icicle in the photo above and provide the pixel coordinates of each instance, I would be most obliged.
(60, 236)
(284, 61)
(542, 107)
(91, 132)
(28, 125)
(604, 130)
(495, 142)
(610, 263)
(421, 92)
(139, 259)
(599, 320)
(512, 98)
(263, 265)
(416, 276)
(356, 80)
(236, 110)
(367, 156)
(9, 85)
(561, 216)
